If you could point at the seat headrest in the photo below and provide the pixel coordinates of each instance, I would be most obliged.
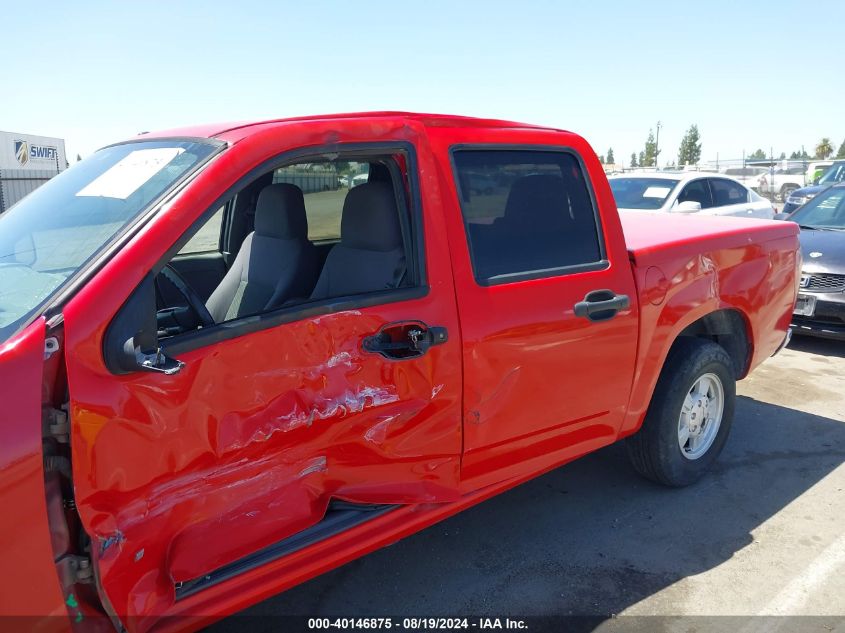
(370, 220)
(538, 197)
(280, 212)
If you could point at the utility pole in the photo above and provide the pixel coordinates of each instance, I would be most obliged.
(657, 145)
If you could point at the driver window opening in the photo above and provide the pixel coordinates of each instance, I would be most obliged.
(303, 233)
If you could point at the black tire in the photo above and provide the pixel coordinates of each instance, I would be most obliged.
(654, 450)
(786, 192)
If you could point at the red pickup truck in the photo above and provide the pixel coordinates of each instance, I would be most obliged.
(234, 357)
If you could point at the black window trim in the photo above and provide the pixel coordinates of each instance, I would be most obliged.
(508, 278)
(415, 259)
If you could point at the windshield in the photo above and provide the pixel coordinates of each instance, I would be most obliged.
(51, 233)
(835, 174)
(641, 193)
(825, 211)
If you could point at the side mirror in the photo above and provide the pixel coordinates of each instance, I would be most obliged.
(131, 340)
(687, 206)
(781, 216)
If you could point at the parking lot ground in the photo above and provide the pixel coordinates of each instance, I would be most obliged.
(764, 534)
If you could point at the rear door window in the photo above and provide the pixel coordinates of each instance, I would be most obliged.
(526, 213)
(727, 192)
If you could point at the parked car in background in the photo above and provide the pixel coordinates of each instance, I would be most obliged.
(688, 192)
(780, 182)
(820, 309)
(748, 175)
(834, 174)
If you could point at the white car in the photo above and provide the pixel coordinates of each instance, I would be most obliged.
(688, 192)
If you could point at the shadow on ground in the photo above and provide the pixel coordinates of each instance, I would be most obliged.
(591, 538)
(822, 346)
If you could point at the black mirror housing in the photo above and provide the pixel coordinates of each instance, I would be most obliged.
(133, 329)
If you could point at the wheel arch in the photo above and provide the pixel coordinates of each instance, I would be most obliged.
(729, 328)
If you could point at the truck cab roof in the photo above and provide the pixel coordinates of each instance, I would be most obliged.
(234, 131)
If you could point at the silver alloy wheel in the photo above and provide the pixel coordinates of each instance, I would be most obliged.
(701, 416)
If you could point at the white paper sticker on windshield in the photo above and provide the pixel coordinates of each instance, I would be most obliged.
(130, 173)
(657, 192)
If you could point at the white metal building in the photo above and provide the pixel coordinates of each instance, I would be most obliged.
(27, 161)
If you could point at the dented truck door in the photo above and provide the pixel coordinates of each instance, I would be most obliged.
(547, 301)
(258, 437)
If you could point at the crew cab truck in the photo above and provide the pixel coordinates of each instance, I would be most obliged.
(215, 386)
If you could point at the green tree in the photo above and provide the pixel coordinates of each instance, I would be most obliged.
(782, 156)
(690, 151)
(799, 155)
(601, 159)
(611, 160)
(757, 155)
(649, 154)
(78, 158)
(342, 167)
(634, 159)
(824, 148)
(841, 152)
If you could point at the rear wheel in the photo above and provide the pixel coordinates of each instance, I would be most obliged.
(786, 191)
(690, 415)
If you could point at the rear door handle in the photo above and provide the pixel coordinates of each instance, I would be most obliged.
(601, 305)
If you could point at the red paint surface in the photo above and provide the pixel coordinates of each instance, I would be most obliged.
(30, 587)
(527, 357)
(750, 266)
(178, 475)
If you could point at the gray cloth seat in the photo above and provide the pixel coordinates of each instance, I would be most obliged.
(370, 254)
(275, 263)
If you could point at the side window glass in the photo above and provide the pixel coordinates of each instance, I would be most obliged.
(525, 212)
(208, 237)
(697, 191)
(726, 192)
(312, 231)
(324, 187)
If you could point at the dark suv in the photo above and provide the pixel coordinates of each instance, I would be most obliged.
(835, 173)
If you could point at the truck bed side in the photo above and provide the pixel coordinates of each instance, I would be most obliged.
(687, 267)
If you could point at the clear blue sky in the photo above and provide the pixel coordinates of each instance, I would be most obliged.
(750, 74)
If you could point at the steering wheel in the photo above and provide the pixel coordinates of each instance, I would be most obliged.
(195, 302)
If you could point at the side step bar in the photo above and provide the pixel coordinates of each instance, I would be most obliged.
(339, 517)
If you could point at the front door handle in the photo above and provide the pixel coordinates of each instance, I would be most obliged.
(601, 305)
(404, 339)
